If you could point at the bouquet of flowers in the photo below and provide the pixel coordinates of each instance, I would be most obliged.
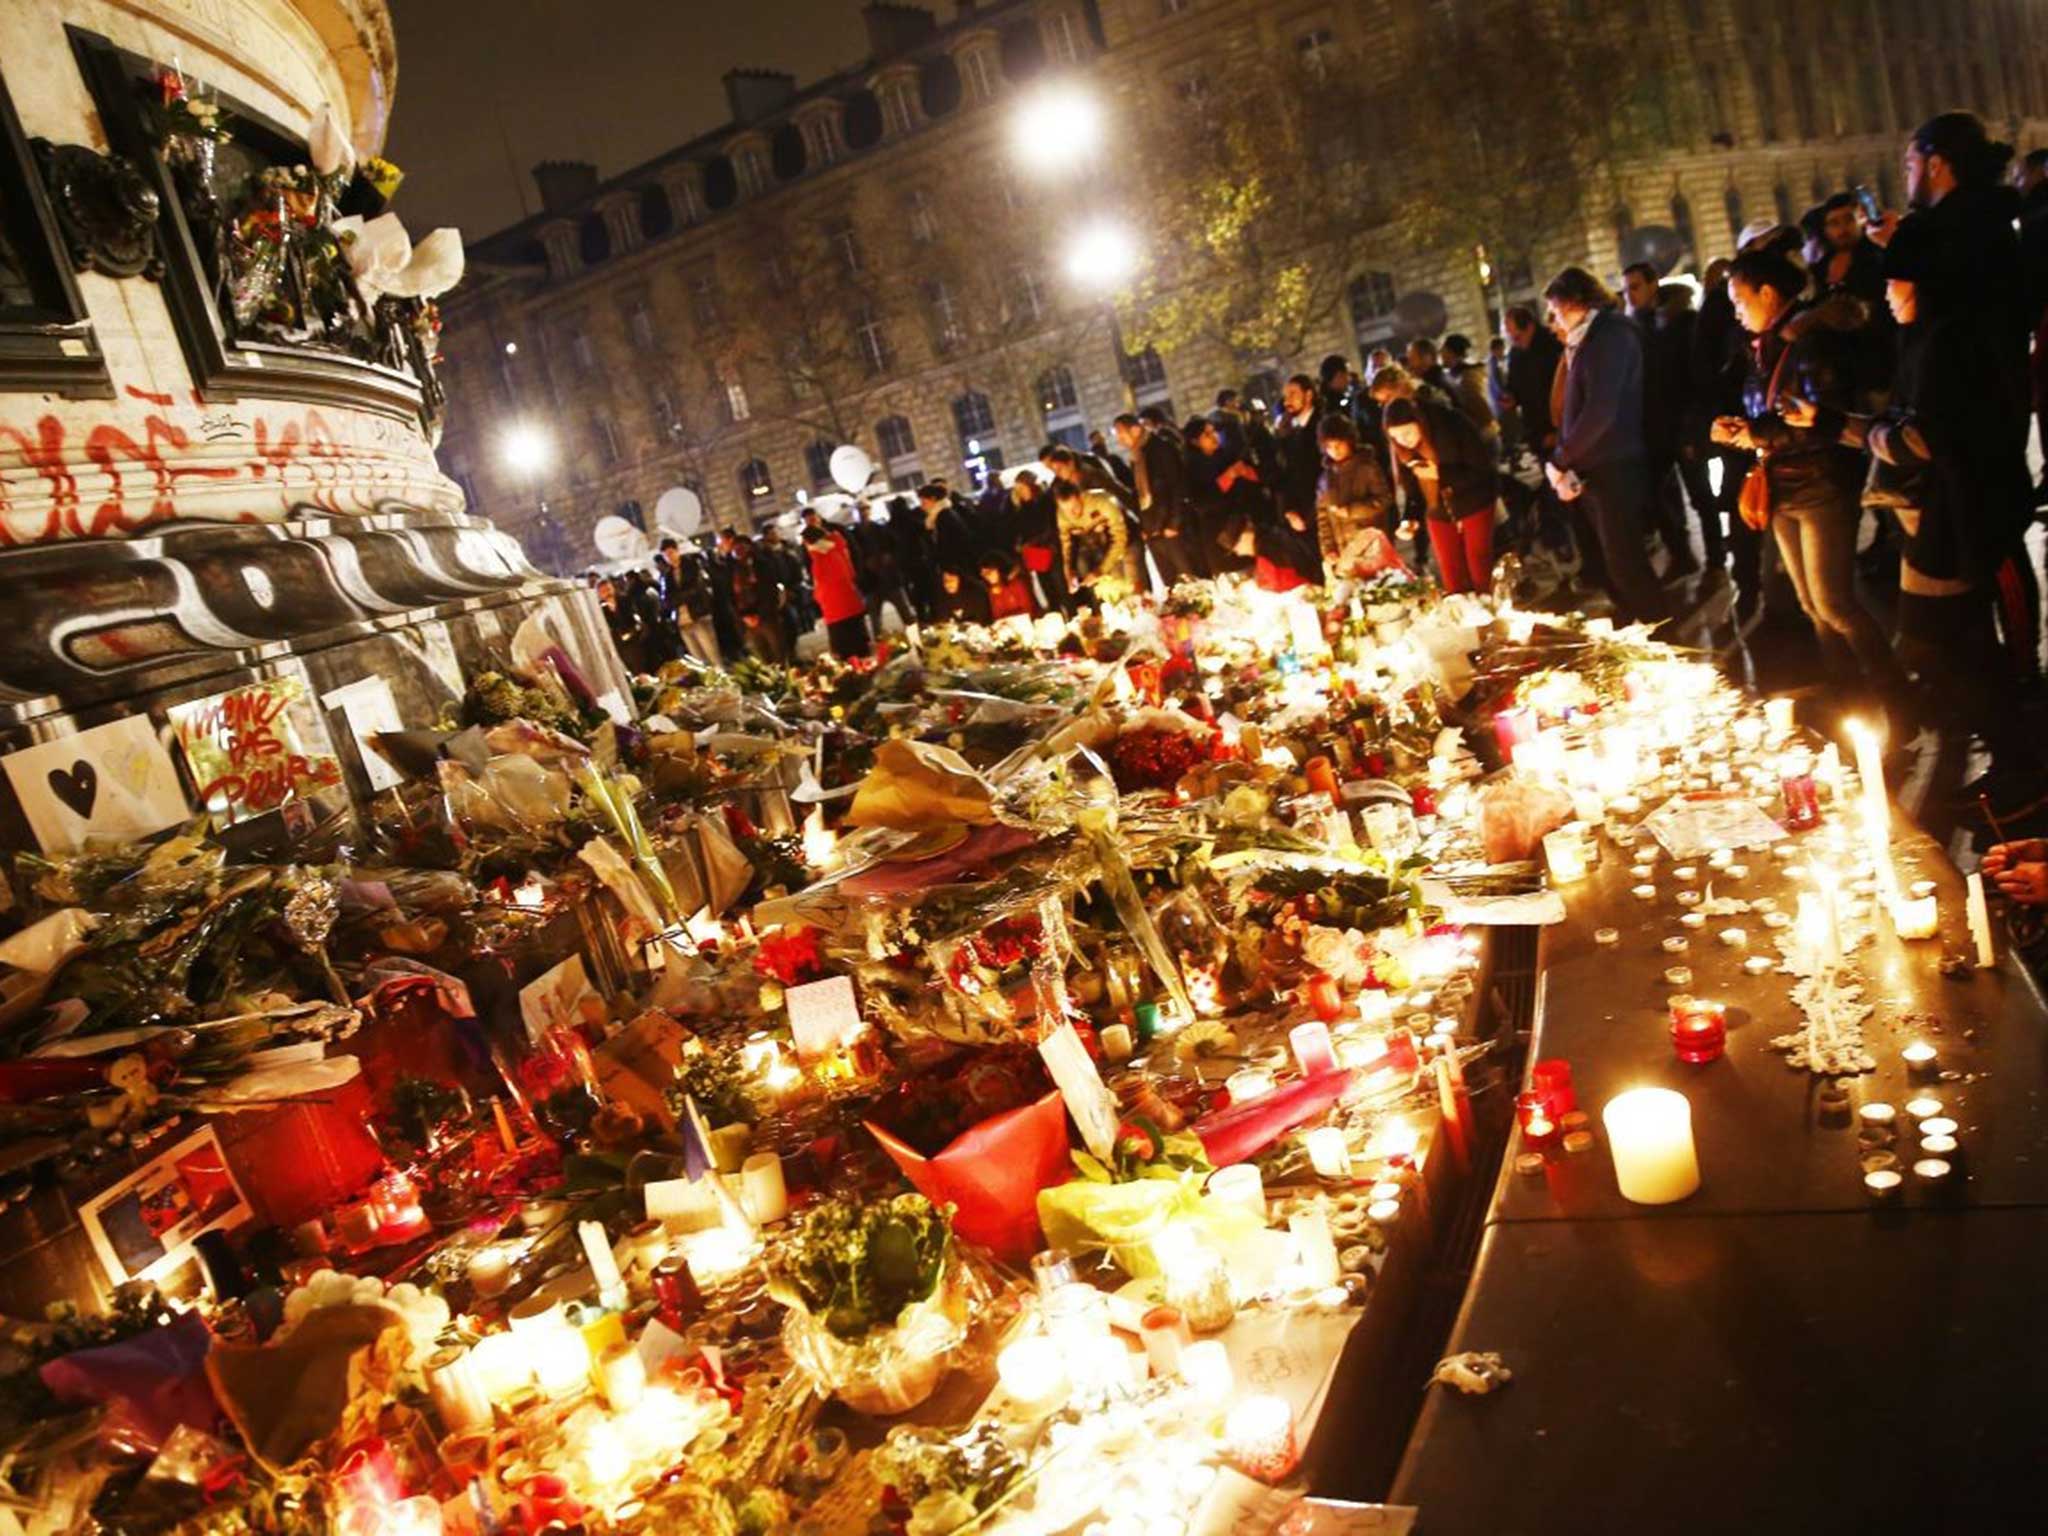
(875, 1305)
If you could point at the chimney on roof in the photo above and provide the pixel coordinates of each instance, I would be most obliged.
(564, 183)
(894, 29)
(754, 94)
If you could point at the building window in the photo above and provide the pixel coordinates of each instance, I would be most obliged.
(1781, 198)
(871, 339)
(820, 142)
(705, 307)
(582, 354)
(899, 452)
(1372, 298)
(974, 418)
(818, 460)
(755, 482)
(845, 246)
(924, 221)
(606, 431)
(946, 328)
(1317, 50)
(1148, 379)
(661, 404)
(736, 408)
(640, 325)
(1059, 402)
(980, 78)
(1681, 223)
(1060, 41)
(1731, 204)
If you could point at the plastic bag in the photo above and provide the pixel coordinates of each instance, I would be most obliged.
(1086, 1215)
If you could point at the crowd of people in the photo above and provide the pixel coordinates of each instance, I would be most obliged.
(1860, 369)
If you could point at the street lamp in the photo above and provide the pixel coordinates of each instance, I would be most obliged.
(1056, 128)
(1101, 255)
(528, 449)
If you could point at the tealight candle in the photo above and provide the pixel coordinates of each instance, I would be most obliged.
(1931, 1170)
(1738, 871)
(1677, 944)
(1937, 1125)
(1877, 1117)
(1386, 1189)
(1734, 938)
(1720, 858)
(1692, 920)
(490, 1270)
(1606, 935)
(1645, 893)
(1920, 1058)
(1384, 1212)
(1920, 888)
(1328, 1152)
(1642, 871)
(1757, 965)
(1923, 1108)
(1678, 976)
(1687, 898)
(1649, 1131)
(1116, 1042)
(1882, 1185)
(1937, 1146)
(1033, 1375)
(1686, 872)
(1258, 1437)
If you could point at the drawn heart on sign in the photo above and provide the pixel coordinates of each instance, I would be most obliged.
(78, 788)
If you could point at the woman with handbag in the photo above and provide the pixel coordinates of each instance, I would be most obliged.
(1807, 485)
(1944, 457)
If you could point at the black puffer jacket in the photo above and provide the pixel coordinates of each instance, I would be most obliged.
(1810, 470)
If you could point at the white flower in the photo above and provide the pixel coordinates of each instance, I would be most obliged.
(331, 152)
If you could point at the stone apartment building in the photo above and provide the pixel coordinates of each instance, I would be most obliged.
(606, 320)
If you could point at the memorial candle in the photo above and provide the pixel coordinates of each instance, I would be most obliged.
(1328, 1152)
(1980, 923)
(1313, 1052)
(1650, 1133)
(604, 1268)
(762, 1188)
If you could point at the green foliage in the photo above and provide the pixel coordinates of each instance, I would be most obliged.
(857, 1265)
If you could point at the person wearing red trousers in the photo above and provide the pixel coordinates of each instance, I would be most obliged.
(1449, 471)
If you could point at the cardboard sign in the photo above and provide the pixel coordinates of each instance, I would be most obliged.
(824, 1017)
(245, 751)
(368, 707)
(114, 782)
(1091, 1104)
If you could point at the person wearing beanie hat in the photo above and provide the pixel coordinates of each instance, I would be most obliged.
(1941, 458)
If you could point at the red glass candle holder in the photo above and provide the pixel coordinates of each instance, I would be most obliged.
(675, 1290)
(1512, 727)
(1699, 1029)
(1802, 801)
(1532, 1114)
(1552, 1078)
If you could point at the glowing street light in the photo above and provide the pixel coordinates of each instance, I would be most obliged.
(528, 449)
(1101, 255)
(1056, 127)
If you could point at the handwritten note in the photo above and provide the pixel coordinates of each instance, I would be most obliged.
(245, 751)
(368, 707)
(824, 1017)
(115, 783)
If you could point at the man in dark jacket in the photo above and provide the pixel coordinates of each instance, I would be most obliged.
(881, 571)
(1298, 454)
(1664, 368)
(1163, 512)
(1533, 356)
(1718, 365)
(951, 540)
(1600, 456)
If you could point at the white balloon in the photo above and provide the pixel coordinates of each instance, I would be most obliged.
(617, 539)
(679, 510)
(851, 467)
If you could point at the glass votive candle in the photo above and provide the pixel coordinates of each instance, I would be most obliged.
(1167, 1336)
(1313, 1052)
(1329, 1153)
(1921, 1058)
(1937, 1146)
(1923, 1109)
(1699, 1029)
(1533, 1116)
(1052, 1268)
(1882, 1185)
(1258, 1438)
(1802, 798)
(1034, 1376)
(1205, 1366)
(1552, 1077)
(1678, 976)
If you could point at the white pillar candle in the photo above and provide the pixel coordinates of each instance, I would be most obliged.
(1314, 1249)
(1980, 924)
(604, 1268)
(502, 1365)
(1916, 917)
(1777, 719)
(1033, 1376)
(1329, 1153)
(1650, 1132)
(622, 1377)
(561, 1361)
(762, 1189)
(1313, 1052)
(1116, 1042)
(1240, 1185)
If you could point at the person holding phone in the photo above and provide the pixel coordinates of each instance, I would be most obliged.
(1807, 485)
